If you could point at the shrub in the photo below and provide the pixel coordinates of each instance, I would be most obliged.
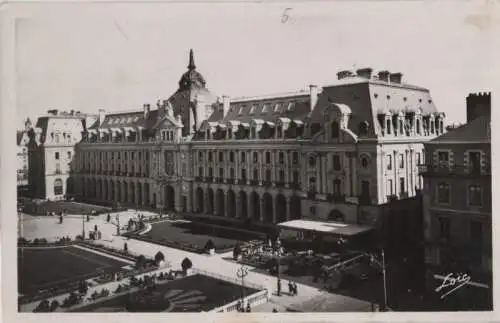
(54, 305)
(159, 257)
(43, 306)
(186, 264)
(210, 245)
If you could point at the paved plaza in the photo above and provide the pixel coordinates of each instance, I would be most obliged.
(36, 227)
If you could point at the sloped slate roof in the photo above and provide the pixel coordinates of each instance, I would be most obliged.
(478, 129)
(291, 107)
(19, 135)
(129, 119)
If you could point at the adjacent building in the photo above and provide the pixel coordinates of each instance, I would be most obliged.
(341, 152)
(51, 153)
(22, 140)
(457, 196)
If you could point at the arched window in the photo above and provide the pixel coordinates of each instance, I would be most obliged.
(58, 187)
(363, 129)
(312, 184)
(365, 162)
(334, 128)
(312, 161)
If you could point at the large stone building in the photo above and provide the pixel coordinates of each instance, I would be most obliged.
(22, 140)
(457, 196)
(52, 153)
(339, 152)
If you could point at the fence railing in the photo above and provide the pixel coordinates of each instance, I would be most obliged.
(233, 280)
(254, 299)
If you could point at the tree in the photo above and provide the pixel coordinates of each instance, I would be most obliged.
(209, 245)
(186, 264)
(236, 250)
(43, 306)
(140, 262)
(159, 257)
(83, 287)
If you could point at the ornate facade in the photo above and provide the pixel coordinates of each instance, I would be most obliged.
(338, 152)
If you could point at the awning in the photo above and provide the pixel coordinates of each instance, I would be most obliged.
(338, 228)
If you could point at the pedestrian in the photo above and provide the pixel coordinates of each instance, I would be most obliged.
(290, 287)
(295, 291)
(275, 310)
(108, 218)
(99, 235)
(95, 227)
(279, 287)
(125, 247)
(248, 308)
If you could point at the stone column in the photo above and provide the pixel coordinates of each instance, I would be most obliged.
(288, 209)
(347, 181)
(287, 168)
(262, 209)
(324, 175)
(274, 208)
(238, 205)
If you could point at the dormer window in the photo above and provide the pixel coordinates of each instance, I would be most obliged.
(240, 112)
(363, 129)
(388, 125)
(277, 107)
(334, 128)
(264, 108)
(252, 109)
(290, 107)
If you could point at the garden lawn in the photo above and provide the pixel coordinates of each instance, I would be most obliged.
(44, 268)
(73, 208)
(194, 293)
(190, 233)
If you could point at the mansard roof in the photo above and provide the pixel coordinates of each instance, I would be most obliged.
(476, 130)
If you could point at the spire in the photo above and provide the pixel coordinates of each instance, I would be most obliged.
(191, 65)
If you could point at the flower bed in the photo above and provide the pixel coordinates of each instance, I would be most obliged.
(23, 242)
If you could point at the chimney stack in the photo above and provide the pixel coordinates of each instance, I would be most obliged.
(383, 76)
(102, 114)
(226, 103)
(396, 78)
(146, 110)
(343, 74)
(365, 72)
(313, 93)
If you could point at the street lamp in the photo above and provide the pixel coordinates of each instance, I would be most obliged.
(278, 252)
(383, 266)
(242, 272)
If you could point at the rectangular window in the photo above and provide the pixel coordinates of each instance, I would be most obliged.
(243, 174)
(401, 161)
(69, 155)
(231, 157)
(221, 172)
(389, 162)
(58, 168)
(390, 187)
(419, 161)
(221, 156)
(268, 157)
(57, 156)
(282, 176)
(281, 157)
(475, 195)
(296, 177)
(443, 193)
(444, 159)
(200, 171)
(295, 157)
(336, 162)
(444, 228)
(475, 162)
(402, 187)
(243, 157)
(200, 156)
(209, 156)
(255, 157)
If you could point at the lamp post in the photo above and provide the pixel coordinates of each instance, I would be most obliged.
(83, 226)
(277, 251)
(242, 272)
(382, 265)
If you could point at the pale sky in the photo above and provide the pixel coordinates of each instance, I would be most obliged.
(85, 57)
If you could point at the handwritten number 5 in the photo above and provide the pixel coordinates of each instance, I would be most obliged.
(285, 16)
